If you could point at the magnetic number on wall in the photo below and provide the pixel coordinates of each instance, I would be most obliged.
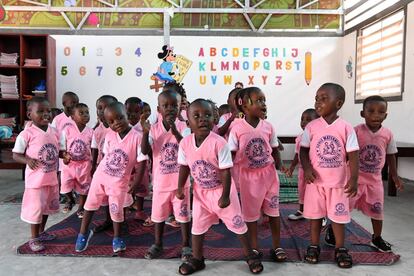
(99, 52)
(82, 71)
(138, 51)
(118, 51)
(119, 71)
(138, 72)
(83, 51)
(99, 68)
(66, 51)
(64, 70)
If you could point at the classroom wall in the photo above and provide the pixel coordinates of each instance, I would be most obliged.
(400, 113)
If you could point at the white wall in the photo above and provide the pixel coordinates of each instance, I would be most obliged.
(401, 113)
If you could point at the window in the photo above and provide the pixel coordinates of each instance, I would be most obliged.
(380, 57)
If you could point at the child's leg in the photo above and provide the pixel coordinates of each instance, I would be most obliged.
(316, 225)
(117, 229)
(159, 232)
(35, 230)
(86, 220)
(185, 234)
(376, 227)
(197, 262)
(274, 223)
(197, 243)
(339, 232)
(82, 200)
(43, 224)
(140, 203)
(252, 233)
(301, 207)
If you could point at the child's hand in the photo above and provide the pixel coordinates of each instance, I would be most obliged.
(132, 188)
(32, 163)
(223, 202)
(66, 158)
(179, 194)
(93, 169)
(310, 175)
(146, 126)
(173, 127)
(351, 187)
(288, 172)
(398, 183)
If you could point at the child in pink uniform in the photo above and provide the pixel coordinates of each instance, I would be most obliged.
(326, 144)
(207, 157)
(254, 144)
(134, 108)
(376, 145)
(111, 179)
(163, 137)
(38, 147)
(76, 141)
(307, 116)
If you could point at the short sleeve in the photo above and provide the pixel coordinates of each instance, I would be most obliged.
(181, 157)
(53, 124)
(305, 142)
(392, 146)
(186, 131)
(233, 143)
(105, 146)
(222, 121)
(224, 158)
(20, 145)
(140, 156)
(274, 142)
(62, 141)
(352, 141)
(94, 143)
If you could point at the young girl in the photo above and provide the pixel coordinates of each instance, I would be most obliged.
(307, 116)
(111, 179)
(207, 157)
(76, 172)
(226, 120)
(163, 138)
(38, 147)
(254, 143)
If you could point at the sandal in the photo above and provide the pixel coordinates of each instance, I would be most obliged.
(153, 252)
(278, 255)
(342, 257)
(258, 253)
(148, 222)
(190, 266)
(186, 253)
(312, 254)
(68, 207)
(80, 213)
(255, 263)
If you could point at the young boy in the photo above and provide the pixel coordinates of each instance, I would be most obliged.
(376, 145)
(207, 157)
(326, 144)
(121, 152)
(163, 137)
(38, 147)
(76, 172)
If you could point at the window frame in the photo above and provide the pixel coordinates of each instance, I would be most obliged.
(358, 34)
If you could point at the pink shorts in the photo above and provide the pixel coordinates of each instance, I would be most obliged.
(259, 191)
(116, 201)
(301, 185)
(206, 211)
(369, 200)
(324, 201)
(76, 176)
(38, 202)
(166, 203)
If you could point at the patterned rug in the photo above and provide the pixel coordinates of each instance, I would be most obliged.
(220, 244)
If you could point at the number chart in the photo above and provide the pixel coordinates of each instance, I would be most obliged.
(92, 66)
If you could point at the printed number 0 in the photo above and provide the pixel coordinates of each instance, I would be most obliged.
(66, 51)
(118, 51)
(119, 71)
(64, 70)
(82, 71)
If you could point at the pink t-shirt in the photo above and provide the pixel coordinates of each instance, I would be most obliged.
(165, 152)
(77, 143)
(372, 154)
(205, 161)
(253, 146)
(328, 147)
(297, 148)
(120, 158)
(61, 122)
(98, 139)
(44, 147)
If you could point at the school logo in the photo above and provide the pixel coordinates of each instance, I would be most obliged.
(329, 152)
(340, 210)
(169, 155)
(65, 125)
(376, 208)
(256, 153)
(237, 222)
(48, 156)
(184, 210)
(370, 159)
(114, 208)
(78, 150)
(54, 204)
(116, 163)
(205, 174)
(274, 202)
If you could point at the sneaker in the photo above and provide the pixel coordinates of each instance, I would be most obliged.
(46, 237)
(82, 241)
(380, 244)
(118, 245)
(329, 236)
(36, 245)
(296, 216)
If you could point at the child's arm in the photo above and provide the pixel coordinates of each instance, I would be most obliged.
(224, 128)
(392, 164)
(23, 159)
(145, 145)
(94, 153)
(139, 174)
(293, 165)
(224, 200)
(62, 151)
(182, 178)
(278, 159)
(175, 132)
(351, 187)
(309, 173)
